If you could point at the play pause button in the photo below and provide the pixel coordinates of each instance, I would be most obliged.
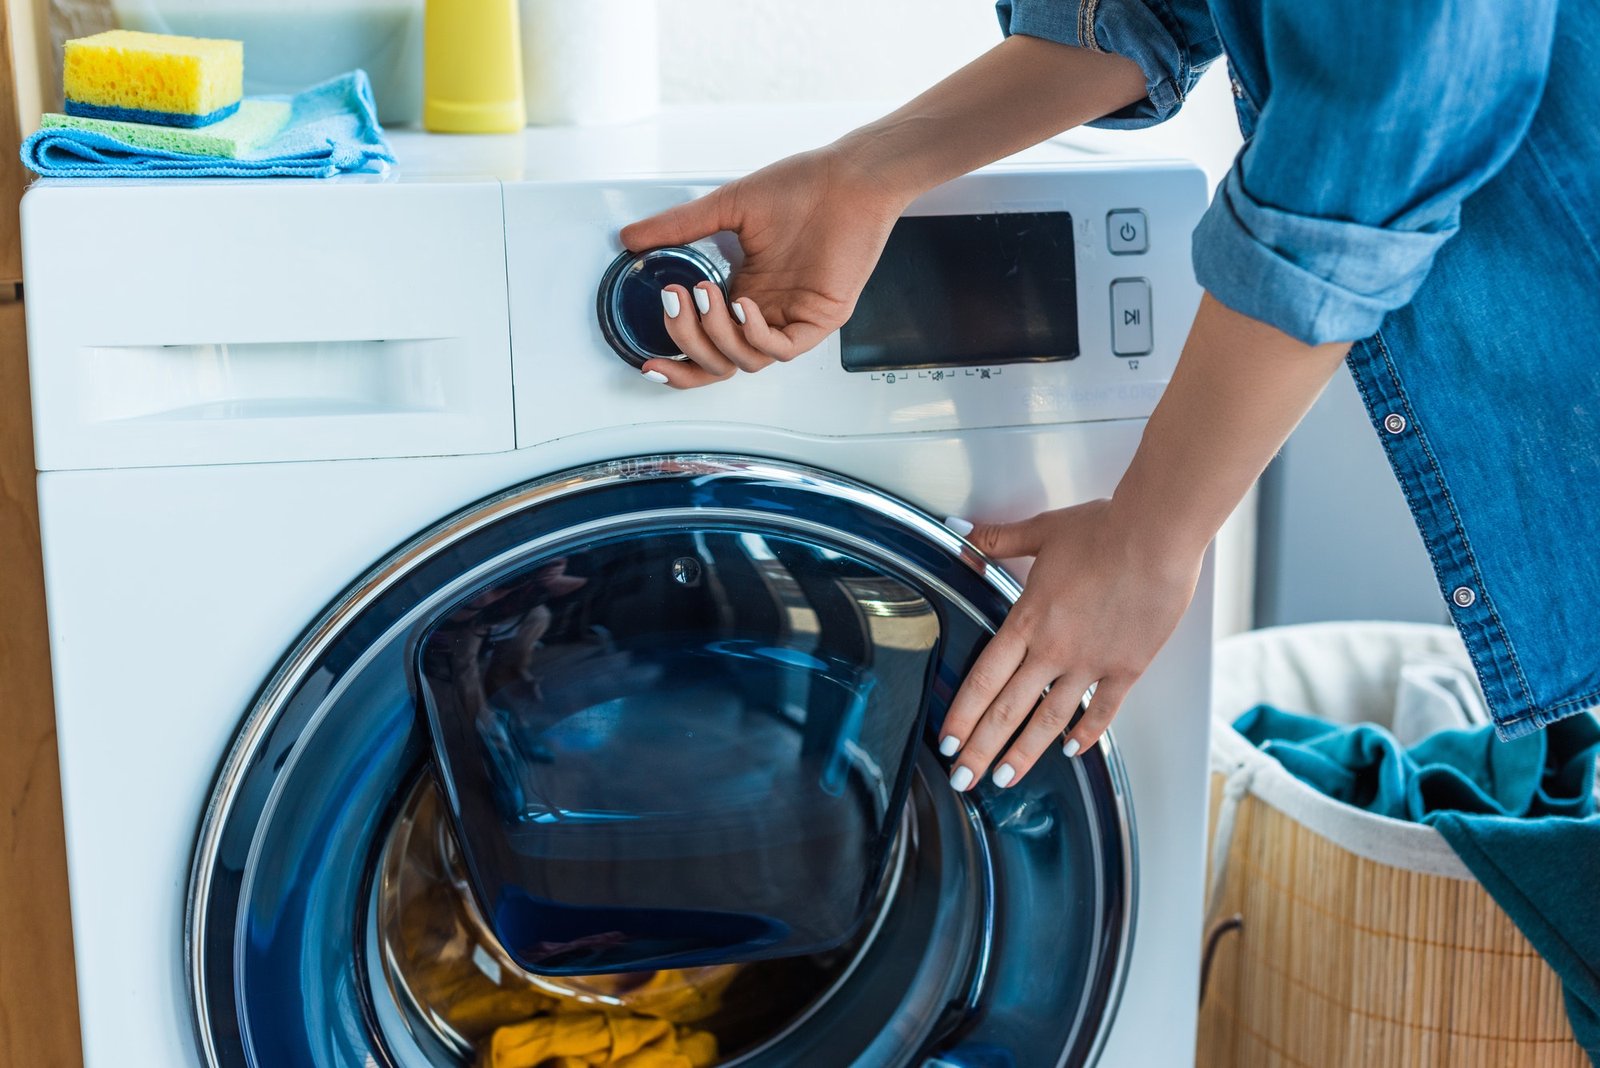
(1130, 317)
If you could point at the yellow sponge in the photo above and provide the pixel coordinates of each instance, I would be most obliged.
(154, 78)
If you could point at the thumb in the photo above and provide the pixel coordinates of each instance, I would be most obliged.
(1006, 540)
(679, 225)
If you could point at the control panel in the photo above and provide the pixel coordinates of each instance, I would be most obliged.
(1011, 297)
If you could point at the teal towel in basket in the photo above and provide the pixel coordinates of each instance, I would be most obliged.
(1521, 815)
(333, 128)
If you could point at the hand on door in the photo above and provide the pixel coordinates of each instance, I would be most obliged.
(811, 226)
(1097, 607)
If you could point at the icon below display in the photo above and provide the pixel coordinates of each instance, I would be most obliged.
(1126, 232)
(1130, 317)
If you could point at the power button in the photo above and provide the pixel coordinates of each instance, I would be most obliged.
(1125, 232)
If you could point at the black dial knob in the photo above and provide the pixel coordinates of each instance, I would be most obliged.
(629, 302)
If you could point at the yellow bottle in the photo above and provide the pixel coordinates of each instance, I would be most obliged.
(472, 67)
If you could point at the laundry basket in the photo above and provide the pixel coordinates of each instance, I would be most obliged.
(1341, 938)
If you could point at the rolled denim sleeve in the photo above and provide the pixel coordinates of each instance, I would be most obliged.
(1378, 123)
(1172, 41)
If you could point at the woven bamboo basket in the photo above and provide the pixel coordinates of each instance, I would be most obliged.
(1338, 938)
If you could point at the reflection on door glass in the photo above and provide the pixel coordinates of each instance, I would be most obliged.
(450, 976)
(678, 747)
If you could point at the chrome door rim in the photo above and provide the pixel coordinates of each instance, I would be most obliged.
(294, 669)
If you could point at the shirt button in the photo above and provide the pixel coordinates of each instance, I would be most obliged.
(1464, 596)
(1394, 423)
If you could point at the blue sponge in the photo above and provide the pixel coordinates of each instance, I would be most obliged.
(153, 118)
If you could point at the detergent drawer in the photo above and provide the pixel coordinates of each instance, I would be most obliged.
(201, 323)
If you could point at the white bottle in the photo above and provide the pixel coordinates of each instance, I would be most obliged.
(590, 61)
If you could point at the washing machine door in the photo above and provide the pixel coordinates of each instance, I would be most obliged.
(642, 756)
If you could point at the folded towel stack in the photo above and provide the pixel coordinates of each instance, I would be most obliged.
(148, 105)
(153, 78)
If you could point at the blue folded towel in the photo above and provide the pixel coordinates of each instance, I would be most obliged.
(1519, 814)
(333, 127)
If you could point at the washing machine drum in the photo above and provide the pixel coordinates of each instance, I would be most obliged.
(636, 765)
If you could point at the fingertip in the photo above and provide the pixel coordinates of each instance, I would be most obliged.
(677, 225)
(760, 334)
(1006, 540)
(960, 527)
(636, 236)
(674, 374)
(756, 331)
(672, 300)
(961, 779)
(949, 745)
(750, 315)
(1085, 733)
(658, 371)
(987, 537)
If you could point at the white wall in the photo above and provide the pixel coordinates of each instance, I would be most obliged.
(715, 51)
(784, 50)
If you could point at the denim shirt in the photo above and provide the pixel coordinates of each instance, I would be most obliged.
(1422, 177)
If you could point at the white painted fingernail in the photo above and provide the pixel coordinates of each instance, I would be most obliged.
(669, 301)
(655, 376)
(961, 778)
(949, 745)
(702, 300)
(1071, 748)
(957, 524)
(738, 312)
(1003, 775)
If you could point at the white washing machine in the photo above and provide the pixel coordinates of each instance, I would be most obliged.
(380, 584)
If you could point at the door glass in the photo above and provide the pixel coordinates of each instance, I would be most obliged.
(451, 977)
(679, 747)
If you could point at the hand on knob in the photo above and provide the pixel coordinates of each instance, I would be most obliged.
(811, 226)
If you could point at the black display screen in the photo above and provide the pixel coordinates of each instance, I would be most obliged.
(957, 290)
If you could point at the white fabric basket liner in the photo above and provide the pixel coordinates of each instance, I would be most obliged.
(1343, 673)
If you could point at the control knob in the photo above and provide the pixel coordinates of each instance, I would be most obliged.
(629, 301)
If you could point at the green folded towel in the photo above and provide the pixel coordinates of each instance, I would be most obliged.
(253, 125)
(1519, 814)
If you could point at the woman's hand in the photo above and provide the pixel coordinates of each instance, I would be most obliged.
(1098, 605)
(812, 227)
(1112, 578)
